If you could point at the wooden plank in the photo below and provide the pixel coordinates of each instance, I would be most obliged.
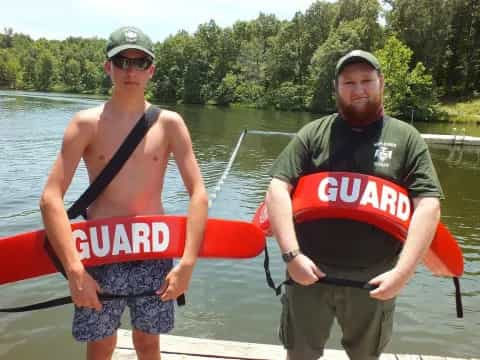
(187, 348)
(130, 355)
(410, 357)
(203, 347)
(388, 357)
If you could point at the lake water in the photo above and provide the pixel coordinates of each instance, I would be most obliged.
(227, 299)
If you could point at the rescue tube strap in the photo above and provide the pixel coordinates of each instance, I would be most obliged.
(325, 280)
(350, 283)
(458, 297)
(68, 300)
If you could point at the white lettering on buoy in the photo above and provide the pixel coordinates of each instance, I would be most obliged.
(120, 241)
(95, 244)
(388, 200)
(403, 207)
(145, 238)
(331, 195)
(370, 195)
(160, 236)
(140, 235)
(349, 190)
(344, 196)
(81, 238)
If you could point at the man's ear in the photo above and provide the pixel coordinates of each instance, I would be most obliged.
(382, 81)
(107, 67)
(151, 71)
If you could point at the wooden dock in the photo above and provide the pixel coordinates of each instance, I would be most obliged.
(187, 348)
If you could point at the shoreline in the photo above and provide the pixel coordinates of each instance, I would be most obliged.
(452, 117)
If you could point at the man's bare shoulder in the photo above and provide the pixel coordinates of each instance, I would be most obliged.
(84, 123)
(87, 120)
(170, 118)
(89, 116)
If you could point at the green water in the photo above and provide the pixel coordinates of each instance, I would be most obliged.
(228, 299)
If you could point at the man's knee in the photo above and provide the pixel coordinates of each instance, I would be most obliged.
(145, 343)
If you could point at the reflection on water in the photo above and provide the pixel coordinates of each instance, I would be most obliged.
(227, 299)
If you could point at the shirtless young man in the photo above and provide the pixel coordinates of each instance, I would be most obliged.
(95, 135)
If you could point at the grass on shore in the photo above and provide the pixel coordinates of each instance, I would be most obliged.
(466, 111)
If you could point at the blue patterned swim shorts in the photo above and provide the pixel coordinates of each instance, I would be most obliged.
(148, 314)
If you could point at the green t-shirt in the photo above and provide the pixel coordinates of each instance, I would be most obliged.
(390, 149)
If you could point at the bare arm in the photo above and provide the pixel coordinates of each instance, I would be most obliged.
(181, 147)
(280, 214)
(279, 207)
(55, 218)
(421, 231)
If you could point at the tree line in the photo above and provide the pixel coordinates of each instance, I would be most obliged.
(429, 50)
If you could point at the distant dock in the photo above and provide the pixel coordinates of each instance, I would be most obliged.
(187, 348)
(436, 139)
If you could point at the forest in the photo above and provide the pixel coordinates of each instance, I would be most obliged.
(429, 51)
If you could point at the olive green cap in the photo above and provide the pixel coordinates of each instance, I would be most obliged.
(357, 56)
(129, 37)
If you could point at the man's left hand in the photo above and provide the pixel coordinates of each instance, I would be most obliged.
(389, 283)
(176, 282)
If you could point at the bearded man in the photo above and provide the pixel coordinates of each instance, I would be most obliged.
(360, 138)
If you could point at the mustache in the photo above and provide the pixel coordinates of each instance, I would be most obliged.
(370, 112)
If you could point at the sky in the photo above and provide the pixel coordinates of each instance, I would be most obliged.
(58, 19)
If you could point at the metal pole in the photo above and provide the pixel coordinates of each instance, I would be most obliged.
(220, 182)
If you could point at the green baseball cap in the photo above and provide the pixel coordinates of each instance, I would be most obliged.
(129, 37)
(357, 56)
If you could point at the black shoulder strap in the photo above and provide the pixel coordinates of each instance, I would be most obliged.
(115, 164)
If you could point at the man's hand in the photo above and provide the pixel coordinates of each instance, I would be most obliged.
(176, 282)
(303, 270)
(84, 290)
(389, 283)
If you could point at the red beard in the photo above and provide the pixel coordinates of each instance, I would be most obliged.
(371, 112)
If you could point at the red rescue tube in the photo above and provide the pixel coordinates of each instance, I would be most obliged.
(372, 200)
(121, 239)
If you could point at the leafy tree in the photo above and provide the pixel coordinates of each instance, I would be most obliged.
(405, 90)
(73, 75)
(369, 12)
(91, 76)
(423, 26)
(10, 68)
(172, 57)
(44, 71)
(251, 93)
(347, 37)
(289, 96)
(226, 91)
(6, 39)
(463, 63)
(193, 81)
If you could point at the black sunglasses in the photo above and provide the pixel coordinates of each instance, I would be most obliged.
(124, 63)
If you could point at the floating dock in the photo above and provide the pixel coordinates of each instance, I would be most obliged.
(437, 139)
(187, 348)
